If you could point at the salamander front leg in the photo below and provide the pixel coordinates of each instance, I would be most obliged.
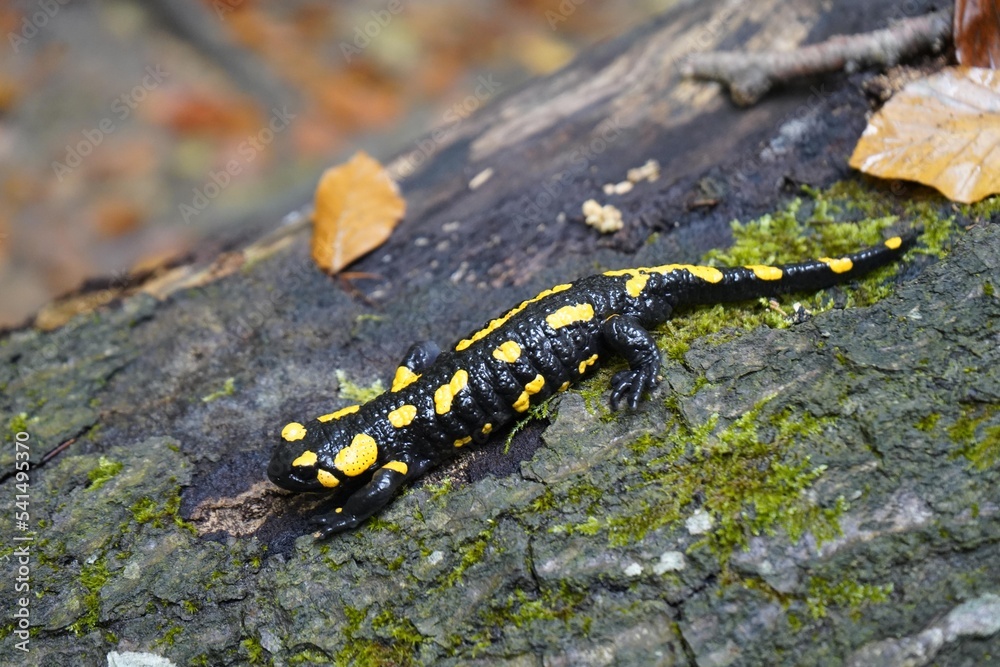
(627, 337)
(419, 357)
(370, 498)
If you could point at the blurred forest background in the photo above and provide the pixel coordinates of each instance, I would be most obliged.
(132, 131)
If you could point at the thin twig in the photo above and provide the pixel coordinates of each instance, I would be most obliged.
(750, 76)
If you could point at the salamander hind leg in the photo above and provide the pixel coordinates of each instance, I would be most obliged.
(627, 337)
(370, 498)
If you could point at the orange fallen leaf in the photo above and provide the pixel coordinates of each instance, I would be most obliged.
(357, 207)
(942, 131)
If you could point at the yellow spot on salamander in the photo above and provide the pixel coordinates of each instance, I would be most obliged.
(587, 363)
(398, 466)
(523, 401)
(636, 282)
(509, 352)
(567, 315)
(840, 265)
(404, 377)
(459, 382)
(707, 273)
(564, 386)
(442, 399)
(487, 428)
(350, 409)
(500, 321)
(765, 272)
(293, 431)
(339, 510)
(463, 441)
(358, 456)
(893, 243)
(326, 479)
(446, 392)
(402, 416)
(307, 458)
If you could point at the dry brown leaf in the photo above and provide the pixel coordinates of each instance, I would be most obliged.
(977, 33)
(942, 131)
(357, 207)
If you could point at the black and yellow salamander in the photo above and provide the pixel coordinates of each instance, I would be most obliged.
(441, 401)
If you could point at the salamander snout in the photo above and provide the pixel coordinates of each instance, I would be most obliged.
(283, 472)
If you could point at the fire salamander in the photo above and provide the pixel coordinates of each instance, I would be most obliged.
(440, 402)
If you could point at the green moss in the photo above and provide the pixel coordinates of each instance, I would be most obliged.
(978, 442)
(189, 606)
(594, 392)
(521, 609)
(982, 211)
(751, 487)
(744, 475)
(105, 470)
(545, 502)
(472, 553)
(354, 392)
(437, 491)
(376, 524)
(988, 288)
(310, 657)
(584, 492)
(641, 446)
(94, 433)
(818, 227)
(928, 422)
(368, 653)
(369, 317)
(254, 651)
(402, 632)
(227, 390)
(847, 593)
(788, 235)
(17, 424)
(146, 510)
(169, 637)
(540, 411)
(93, 577)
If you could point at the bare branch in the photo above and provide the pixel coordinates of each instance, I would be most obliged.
(750, 76)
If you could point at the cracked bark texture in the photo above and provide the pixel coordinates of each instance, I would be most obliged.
(159, 535)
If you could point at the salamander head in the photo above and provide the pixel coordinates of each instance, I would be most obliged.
(322, 454)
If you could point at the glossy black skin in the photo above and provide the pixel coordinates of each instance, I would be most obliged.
(494, 385)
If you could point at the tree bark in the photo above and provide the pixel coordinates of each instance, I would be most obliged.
(816, 494)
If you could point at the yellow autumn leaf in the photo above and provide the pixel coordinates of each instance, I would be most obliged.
(357, 207)
(942, 131)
